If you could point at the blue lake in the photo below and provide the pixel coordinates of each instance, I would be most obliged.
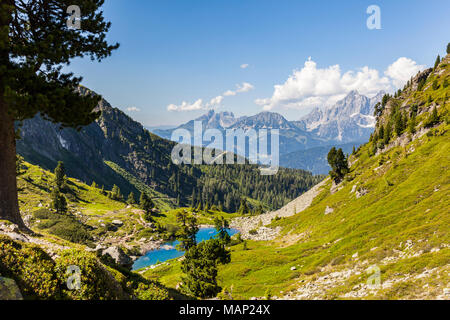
(168, 250)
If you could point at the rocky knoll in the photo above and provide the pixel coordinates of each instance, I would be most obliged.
(248, 225)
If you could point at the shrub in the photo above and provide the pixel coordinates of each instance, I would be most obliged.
(97, 283)
(30, 267)
(432, 119)
(39, 277)
(71, 231)
(435, 85)
(150, 292)
(63, 226)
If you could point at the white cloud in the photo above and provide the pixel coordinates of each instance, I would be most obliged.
(197, 105)
(402, 70)
(240, 88)
(244, 66)
(245, 87)
(312, 86)
(214, 102)
(229, 93)
(185, 106)
(133, 109)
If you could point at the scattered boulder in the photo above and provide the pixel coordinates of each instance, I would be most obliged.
(361, 192)
(9, 290)
(119, 257)
(17, 236)
(12, 230)
(328, 210)
(335, 187)
(98, 248)
(118, 223)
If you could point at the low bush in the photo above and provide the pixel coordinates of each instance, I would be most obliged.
(63, 226)
(30, 267)
(97, 283)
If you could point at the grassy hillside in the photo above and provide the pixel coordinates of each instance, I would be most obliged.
(90, 209)
(117, 150)
(61, 240)
(391, 212)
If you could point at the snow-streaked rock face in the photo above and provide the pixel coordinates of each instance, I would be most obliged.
(292, 138)
(350, 119)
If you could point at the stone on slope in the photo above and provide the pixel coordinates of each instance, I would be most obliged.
(9, 290)
(119, 257)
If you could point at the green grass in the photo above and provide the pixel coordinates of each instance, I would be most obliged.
(161, 201)
(407, 199)
(90, 209)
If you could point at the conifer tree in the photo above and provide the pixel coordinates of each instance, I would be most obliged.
(131, 200)
(387, 133)
(116, 194)
(435, 85)
(412, 124)
(35, 43)
(243, 208)
(59, 202)
(433, 118)
(19, 165)
(338, 163)
(436, 63)
(381, 133)
(147, 205)
(221, 224)
(399, 124)
(200, 268)
(60, 176)
(188, 230)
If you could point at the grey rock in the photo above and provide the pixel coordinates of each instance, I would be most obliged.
(17, 236)
(117, 222)
(361, 192)
(9, 290)
(120, 257)
(328, 210)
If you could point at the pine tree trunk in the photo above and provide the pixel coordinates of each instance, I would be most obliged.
(9, 206)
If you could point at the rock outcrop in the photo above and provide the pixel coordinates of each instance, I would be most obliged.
(119, 257)
(9, 290)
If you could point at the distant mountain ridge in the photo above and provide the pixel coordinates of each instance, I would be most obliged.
(349, 121)
(117, 150)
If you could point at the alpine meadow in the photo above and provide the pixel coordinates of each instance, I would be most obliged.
(206, 152)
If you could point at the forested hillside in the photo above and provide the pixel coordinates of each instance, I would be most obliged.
(116, 150)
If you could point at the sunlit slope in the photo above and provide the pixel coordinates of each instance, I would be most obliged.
(391, 213)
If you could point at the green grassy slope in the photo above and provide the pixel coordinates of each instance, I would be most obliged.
(92, 210)
(407, 200)
(392, 211)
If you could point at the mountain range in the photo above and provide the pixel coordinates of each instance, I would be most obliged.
(303, 143)
(117, 150)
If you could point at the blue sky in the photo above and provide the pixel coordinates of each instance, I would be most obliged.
(185, 50)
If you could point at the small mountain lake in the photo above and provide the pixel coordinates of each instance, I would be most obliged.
(168, 250)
